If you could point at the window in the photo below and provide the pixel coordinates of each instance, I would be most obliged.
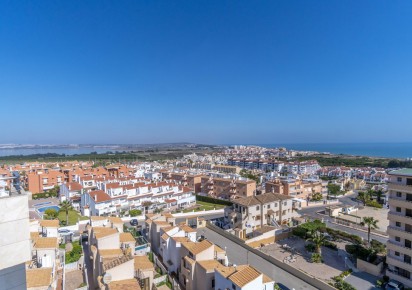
(268, 205)
(407, 259)
(399, 179)
(398, 224)
(398, 239)
(257, 208)
(408, 244)
(398, 209)
(213, 283)
(398, 194)
(397, 254)
(285, 203)
(233, 286)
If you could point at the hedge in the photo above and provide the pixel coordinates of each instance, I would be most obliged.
(213, 200)
(44, 195)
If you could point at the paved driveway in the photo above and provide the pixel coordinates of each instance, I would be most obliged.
(362, 280)
(239, 255)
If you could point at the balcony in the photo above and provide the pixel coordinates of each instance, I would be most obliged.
(398, 262)
(398, 247)
(399, 232)
(395, 216)
(400, 187)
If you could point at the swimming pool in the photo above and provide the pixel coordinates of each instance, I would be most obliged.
(43, 209)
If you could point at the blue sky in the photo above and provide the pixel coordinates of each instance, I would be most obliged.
(205, 71)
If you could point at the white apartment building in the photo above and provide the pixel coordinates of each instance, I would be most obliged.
(399, 245)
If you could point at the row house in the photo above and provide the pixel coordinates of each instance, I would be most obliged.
(114, 260)
(193, 181)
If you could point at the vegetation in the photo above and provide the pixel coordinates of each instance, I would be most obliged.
(75, 254)
(334, 189)
(49, 193)
(65, 207)
(316, 258)
(318, 240)
(367, 198)
(369, 254)
(74, 217)
(317, 196)
(340, 282)
(350, 161)
(213, 200)
(248, 174)
(135, 212)
(50, 214)
(370, 223)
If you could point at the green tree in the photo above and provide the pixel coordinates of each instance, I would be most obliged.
(51, 213)
(312, 227)
(318, 240)
(333, 189)
(370, 223)
(364, 197)
(65, 206)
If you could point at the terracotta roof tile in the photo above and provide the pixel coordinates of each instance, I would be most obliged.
(143, 263)
(49, 223)
(46, 243)
(41, 277)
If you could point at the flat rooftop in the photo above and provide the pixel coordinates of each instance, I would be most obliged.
(403, 172)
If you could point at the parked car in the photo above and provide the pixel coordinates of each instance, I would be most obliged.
(133, 222)
(394, 285)
(64, 232)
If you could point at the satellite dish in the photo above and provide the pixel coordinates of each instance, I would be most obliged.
(107, 278)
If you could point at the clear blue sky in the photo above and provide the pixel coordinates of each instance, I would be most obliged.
(205, 71)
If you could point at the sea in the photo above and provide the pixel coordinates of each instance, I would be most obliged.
(66, 151)
(388, 150)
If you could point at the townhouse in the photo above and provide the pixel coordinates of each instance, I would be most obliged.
(298, 188)
(243, 277)
(114, 259)
(251, 213)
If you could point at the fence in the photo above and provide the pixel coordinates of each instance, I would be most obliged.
(159, 279)
(288, 268)
(72, 266)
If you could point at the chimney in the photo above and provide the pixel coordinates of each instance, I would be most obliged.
(95, 198)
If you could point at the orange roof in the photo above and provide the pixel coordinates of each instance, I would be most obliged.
(99, 196)
(45, 243)
(126, 237)
(40, 277)
(49, 223)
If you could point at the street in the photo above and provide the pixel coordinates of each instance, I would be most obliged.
(346, 200)
(239, 255)
(88, 265)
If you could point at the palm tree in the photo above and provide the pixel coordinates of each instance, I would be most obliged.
(364, 197)
(318, 241)
(66, 206)
(371, 223)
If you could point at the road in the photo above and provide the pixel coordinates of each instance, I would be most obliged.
(239, 255)
(88, 265)
(346, 200)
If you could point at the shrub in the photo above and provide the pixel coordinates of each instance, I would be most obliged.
(299, 232)
(374, 203)
(361, 252)
(75, 254)
(331, 245)
(51, 213)
(213, 200)
(135, 212)
(378, 247)
(310, 247)
(316, 258)
(343, 235)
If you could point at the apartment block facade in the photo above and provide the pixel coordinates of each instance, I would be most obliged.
(227, 188)
(399, 245)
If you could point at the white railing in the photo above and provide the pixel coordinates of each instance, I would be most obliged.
(159, 279)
